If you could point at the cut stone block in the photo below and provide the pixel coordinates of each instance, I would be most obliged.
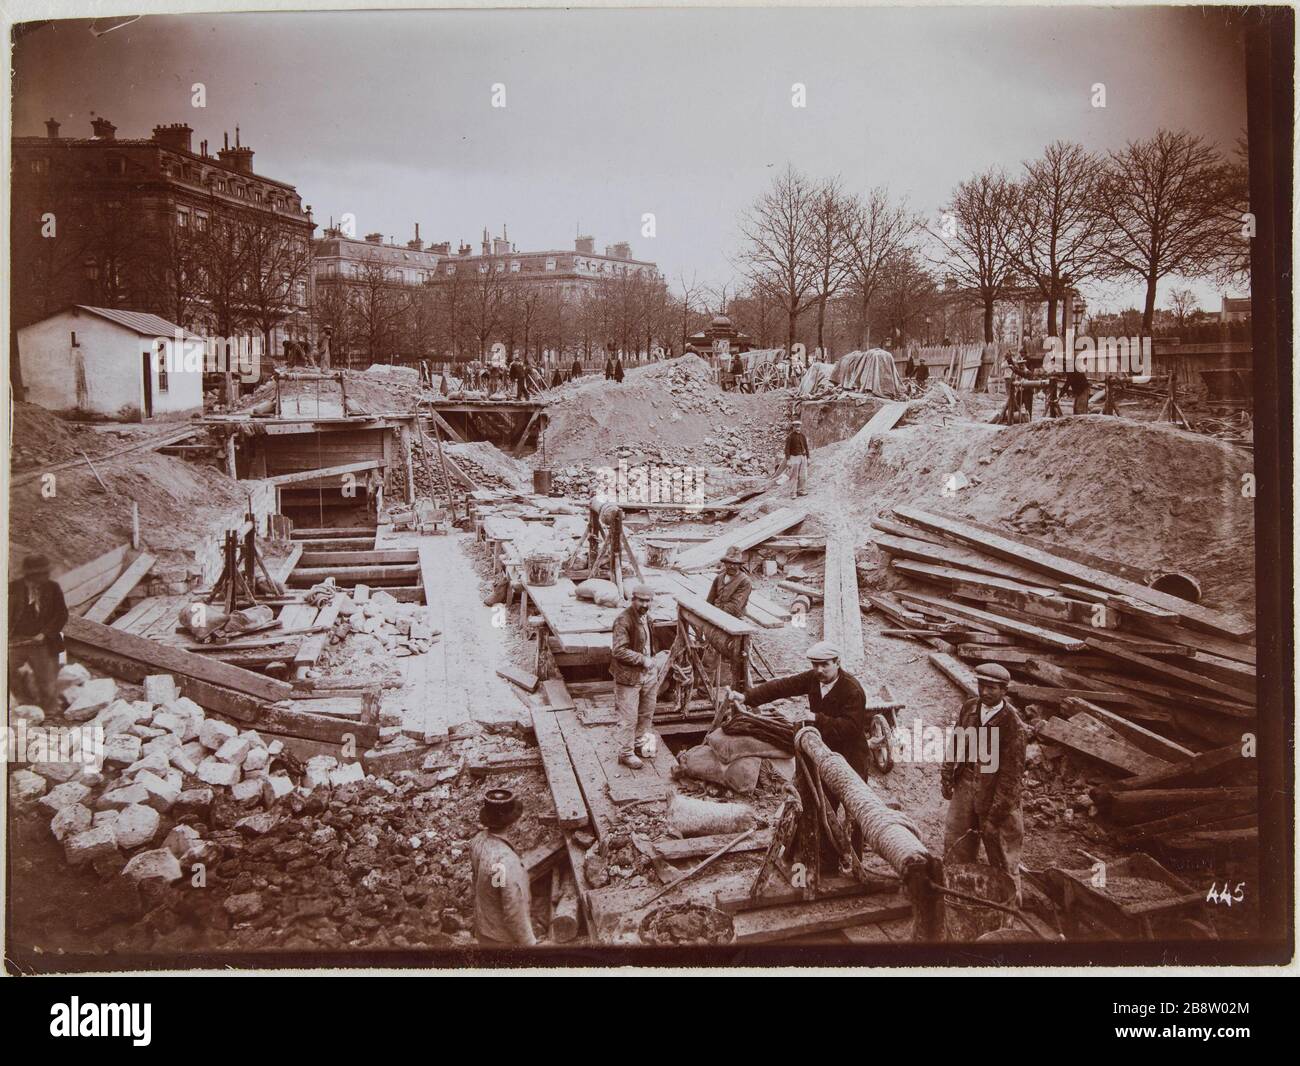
(159, 864)
(275, 787)
(243, 791)
(71, 820)
(162, 792)
(136, 825)
(119, 798)
(90, 698)
(26, 787)
(256, 759)
(98, 842)
(182, 840)
(194, 800)
(234, 749)
(64, 795)
(215, 772)
(347, 774)
(214, 732)
(160, 689)
(122, 750)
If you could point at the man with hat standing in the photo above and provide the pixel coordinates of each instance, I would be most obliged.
(797, 456)
(731, 588)
(836, 699)
(37, 615)
(502, 900)
(984, 797)
(636, 677)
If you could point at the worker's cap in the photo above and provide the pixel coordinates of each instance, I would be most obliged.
(733, 555)
(501, 808)
(992, 672)
(823, 651)
(36, 565)
(642, 589)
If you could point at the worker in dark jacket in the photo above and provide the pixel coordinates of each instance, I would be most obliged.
(618, 368)
(836, 699)
(636, 678)
(609, 367)
(797, 457)
(575, 371)
(983, 776)
(731, 588)
(37, 615)
(519, 375)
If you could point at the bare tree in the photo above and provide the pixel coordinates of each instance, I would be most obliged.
(879, 231)
(692, 293)
(777, 230)
(380, 306)
(1165, 204)
(830, 247)
(1182, 303)
(277, 261)
(974, 232)
(1054, 239)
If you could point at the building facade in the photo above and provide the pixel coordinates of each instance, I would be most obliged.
(152, 225)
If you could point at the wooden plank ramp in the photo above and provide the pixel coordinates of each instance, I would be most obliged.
(121, 588)
(745, 537)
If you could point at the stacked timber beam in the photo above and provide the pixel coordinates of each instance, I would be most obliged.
(1155, 691)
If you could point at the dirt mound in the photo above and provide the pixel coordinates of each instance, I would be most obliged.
(671, 411)
(1145, 494)
(180, 503)
(487, 459)
(40, 438)
(368, 393)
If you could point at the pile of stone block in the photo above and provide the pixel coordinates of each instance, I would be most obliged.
(141, 771)
(402, 628)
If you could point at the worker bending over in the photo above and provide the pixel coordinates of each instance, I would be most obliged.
(984, 780)
(731, 588)
(502, 899)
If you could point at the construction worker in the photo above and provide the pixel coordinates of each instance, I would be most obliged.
(37, 615)
(502, 900)
(618, 369)
(835, 698)
(984, 797)
(575, 371)
(731, 588)
(797, 456)
(636, 682)
(519, 375)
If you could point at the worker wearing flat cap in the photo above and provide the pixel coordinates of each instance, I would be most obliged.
(731, 588)
(636, 679)
(835, 698)
(37, 615)
(983, 777)
(502, 901)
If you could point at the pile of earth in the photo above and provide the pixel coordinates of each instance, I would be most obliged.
(668, 411)
(1145, 494)
(40, 438)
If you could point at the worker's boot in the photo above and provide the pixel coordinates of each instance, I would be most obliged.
(631, 761)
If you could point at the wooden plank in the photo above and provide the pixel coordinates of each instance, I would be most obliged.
(1165, 669)
(310, 651)
(1196, 818)
(954, 555)
(728, 624)
(296, 617)
(501, 762)
(357, 558)
(92, 578)
(697, 847)
(352, 707)
(281, 480)
(557, 694)
(999, 622)
(1191, 700)
(526, 681)
(1139, 736)
(296, 723)
(1145, 805)
(822, 916)
(120, 589)
(174, 660)
(128, 620)
(1124, 759)
(957, 672)
(570, 809)
(745, 537)
(841, 610)
(1078, 573)
(1205, 769)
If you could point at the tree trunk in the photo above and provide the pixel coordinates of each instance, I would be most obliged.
(1052, 303)
(988, 321)
(1149, 311)
(793, 321)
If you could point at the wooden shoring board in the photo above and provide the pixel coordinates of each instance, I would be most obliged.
(593, 751)
(1225, 625)
(1121, 757)
(175, 661)
(999, 622)
(137, 619)
(954, 555)
(121, 588)
(281, 480)
(820, 916)
(1135, 734)
(747, 536)
(311, 648)
(83, 583)
(570, 807)
(841, 606)
(1170, 671)
(357, 558)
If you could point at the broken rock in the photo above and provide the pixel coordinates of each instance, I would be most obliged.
(213, 733)
(95, 843)
(90, 698)
(135, 825)
(64, 795)
(70, 820)
(215, 772)
(157, 864)
(160, 689)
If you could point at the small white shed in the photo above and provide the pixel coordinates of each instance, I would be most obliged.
(108, 363)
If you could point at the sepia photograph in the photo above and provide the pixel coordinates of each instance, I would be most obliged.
(694, 488)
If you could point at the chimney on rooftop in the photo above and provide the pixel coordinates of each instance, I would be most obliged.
(441, 249)
(417, 244)
(176, 136)
(104, 130)
(239, 158)
(51, 129)
(585, 245)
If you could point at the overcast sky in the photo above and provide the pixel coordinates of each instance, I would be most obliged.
(612, 114)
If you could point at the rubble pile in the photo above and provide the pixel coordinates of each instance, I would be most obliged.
(197, 829)
(402, 628)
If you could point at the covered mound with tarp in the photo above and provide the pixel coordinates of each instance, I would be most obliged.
(870, 371)
(815, 378)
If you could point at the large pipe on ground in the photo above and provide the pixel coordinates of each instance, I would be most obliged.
(886, 831)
